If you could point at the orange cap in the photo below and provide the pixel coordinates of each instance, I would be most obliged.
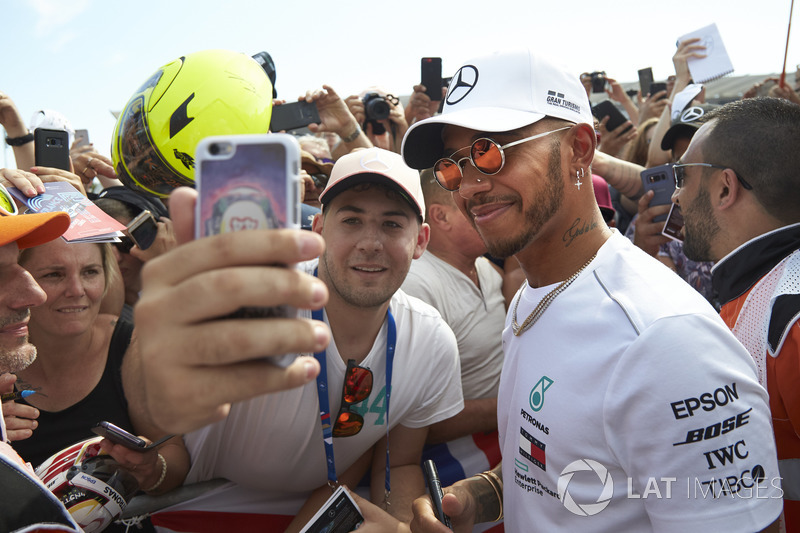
(33, 229)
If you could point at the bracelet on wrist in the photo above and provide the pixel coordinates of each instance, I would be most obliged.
(497, 485)
(353, 136)
(19, 141)
(163, 474)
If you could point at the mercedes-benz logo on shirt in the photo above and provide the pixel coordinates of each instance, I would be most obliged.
(463, 82)
(692, 114)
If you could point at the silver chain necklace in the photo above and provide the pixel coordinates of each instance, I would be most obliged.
(544, 303)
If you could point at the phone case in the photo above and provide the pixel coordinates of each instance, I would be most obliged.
(432, 77)
(247, 182)
(293, 115)
(660, 180)
(605, 108)
(51, 148)
(645, 79)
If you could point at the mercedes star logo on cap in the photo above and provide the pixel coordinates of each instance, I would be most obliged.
(692, 114)
(463, 82)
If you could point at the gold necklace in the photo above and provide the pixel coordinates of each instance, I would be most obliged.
(544, 303)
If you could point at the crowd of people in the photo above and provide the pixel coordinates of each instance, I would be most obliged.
(480, 280)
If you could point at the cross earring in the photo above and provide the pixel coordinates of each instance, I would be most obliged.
(578, 175)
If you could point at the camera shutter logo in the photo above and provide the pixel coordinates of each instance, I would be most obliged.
(590, 508)
(463, 82)
(536, 398)
(692, 114)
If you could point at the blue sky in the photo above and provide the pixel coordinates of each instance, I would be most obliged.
(86, 57)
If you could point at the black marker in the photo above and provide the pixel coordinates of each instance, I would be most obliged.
(11, 396)
(435, 491)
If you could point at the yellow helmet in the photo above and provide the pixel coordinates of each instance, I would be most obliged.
(213, 92)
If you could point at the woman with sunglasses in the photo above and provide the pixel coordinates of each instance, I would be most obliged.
(77, 372)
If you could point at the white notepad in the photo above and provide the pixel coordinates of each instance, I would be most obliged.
(716, 64)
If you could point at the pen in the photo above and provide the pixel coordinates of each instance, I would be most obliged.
(11, 396)
(435, 491)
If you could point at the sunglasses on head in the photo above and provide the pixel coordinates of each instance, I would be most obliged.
(357, 387)
(485, 154)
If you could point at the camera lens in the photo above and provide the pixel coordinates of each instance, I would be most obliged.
(213, 149)
(376, 107)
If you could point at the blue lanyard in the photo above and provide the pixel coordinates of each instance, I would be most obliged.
(324, 403)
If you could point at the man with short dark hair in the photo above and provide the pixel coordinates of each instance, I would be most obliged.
(26, 502)
(608, 356)
(739, 191)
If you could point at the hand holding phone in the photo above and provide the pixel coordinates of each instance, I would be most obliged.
(606, 108)
(293, 115)
(435, 491)
(117, 435)
(660, 180)
(645, 79)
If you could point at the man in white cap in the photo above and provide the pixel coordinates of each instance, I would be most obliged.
(26, 503)
(284, 452)
(624, 403)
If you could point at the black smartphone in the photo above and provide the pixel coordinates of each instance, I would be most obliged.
(606, 108)
(645, 79)
(51, 148)
(143, 230)
(432, 77)
(659, 179)
(293, 115)
(658, 87)
(435, 491)
(117, 435)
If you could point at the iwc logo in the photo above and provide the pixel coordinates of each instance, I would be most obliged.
(536, 398)
(591, 508)
(463, 82)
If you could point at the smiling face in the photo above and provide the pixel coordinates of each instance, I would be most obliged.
(511, 208)
(18, 294)
(371, 235)
(72, 276)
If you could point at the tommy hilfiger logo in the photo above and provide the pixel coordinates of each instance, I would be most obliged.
(558, 99)
(532, 449)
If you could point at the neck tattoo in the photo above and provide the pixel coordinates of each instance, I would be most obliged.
(544, 303)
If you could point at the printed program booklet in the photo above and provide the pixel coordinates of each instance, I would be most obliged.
(88, 223)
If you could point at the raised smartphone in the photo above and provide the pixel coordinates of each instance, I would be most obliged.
(247, 182)
(143, 230)
(432, 77)
(51, 148)
(293, 115)
(117, 435)
(660, 180)
(645, 79)
(81, 138)
(616, 118)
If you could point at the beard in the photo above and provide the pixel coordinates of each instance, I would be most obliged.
(358, 296)
(22, 354)
(700, 228)
(17, 359)
(545, 206)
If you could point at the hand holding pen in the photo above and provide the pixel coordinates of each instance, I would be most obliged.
(20, 418)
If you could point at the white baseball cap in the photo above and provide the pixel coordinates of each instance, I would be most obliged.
(502, 91)
(375, 165)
